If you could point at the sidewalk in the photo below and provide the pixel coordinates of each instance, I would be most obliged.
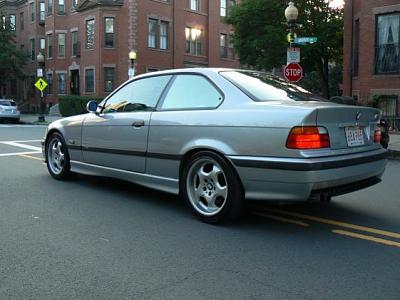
(33, 119)
(394, 146)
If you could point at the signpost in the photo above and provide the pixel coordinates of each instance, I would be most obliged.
(293, 72)
(293, 55)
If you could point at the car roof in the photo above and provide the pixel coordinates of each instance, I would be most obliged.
(184, 70)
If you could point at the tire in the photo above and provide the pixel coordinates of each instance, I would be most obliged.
(211, 188)
(57, 157)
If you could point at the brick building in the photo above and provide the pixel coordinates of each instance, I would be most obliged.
(371, 54)
(86, 42)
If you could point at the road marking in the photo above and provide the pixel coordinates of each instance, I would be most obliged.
(21, 125)
(367, 237)
(19, 153)
(17, 144)
(31, 157)
(281, 219)
(334, 222)
(25, 141)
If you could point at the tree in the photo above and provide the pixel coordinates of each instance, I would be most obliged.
(12, 60)
(261, 30)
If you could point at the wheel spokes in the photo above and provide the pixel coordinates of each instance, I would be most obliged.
(208, 188)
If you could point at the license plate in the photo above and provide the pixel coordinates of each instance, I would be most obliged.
(354, 136)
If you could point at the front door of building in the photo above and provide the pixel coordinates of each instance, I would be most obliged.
(74, 82)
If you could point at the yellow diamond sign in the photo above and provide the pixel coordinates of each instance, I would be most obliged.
(41, 84)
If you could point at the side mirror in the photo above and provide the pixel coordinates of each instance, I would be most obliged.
(91, 106)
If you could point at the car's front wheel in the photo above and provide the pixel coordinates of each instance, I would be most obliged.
(211, 188)
(57, 157)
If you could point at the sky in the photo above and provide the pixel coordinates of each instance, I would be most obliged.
(337, 3)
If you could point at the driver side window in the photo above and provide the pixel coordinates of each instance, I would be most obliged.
(139, 95)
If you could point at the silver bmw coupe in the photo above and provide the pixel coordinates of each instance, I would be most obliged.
(220, 136)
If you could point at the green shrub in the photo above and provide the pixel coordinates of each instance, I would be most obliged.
(75, 105)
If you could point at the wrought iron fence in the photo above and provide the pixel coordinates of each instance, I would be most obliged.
(387, 59)
(393, 122)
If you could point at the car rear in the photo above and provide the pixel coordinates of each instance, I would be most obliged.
(9, 110)
(330, 149)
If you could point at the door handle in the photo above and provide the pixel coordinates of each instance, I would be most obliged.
(138, 123)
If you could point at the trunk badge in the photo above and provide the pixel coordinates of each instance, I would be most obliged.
(358, 116)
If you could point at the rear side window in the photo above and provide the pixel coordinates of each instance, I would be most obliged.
(191, 92)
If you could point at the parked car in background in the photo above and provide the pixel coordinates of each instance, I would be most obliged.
(9, 110)
(218, 137)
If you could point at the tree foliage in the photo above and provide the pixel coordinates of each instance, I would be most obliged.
(261, 30)
(12, 60)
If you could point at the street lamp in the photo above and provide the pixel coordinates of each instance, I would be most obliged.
(40, 72)
(291, 14)
(132, 57)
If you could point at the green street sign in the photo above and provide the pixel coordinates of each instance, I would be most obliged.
(41, 84)
(306, 40)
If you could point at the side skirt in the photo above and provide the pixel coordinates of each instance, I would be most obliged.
(169, 185)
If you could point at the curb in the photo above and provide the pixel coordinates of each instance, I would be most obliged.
(393, 154)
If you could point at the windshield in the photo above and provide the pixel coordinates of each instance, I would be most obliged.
(7, 103)
(266, 87)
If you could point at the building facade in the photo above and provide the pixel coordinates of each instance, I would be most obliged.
(86, 43)
(371, 55)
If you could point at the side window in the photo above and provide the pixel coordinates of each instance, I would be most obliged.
(139, 95)
(192, 92)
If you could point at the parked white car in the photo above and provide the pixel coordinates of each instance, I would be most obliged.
(9, 110)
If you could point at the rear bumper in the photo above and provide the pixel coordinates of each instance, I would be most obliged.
(9, 115)
(271, 178)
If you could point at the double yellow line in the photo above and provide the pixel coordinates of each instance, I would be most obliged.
(302, 217)
(282, 216)
(31, 157)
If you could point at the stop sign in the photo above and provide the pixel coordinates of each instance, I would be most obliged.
(293, 72)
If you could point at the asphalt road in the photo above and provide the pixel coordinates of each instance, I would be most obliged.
(95, 238)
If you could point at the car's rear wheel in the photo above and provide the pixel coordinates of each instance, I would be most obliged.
(57, 157)
(211, 188)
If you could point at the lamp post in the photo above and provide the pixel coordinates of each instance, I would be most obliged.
(132, 57)
(40, 72)
(291, 14)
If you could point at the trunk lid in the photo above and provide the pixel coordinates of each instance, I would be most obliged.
(349, 127)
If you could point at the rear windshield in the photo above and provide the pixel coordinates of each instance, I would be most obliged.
(266, 87)
(7, 103)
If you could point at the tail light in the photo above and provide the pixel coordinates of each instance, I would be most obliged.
(308, 137)
(377, 135)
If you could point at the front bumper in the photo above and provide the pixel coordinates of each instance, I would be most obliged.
(271, 178)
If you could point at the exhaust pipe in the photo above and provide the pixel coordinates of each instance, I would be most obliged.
(322, 197)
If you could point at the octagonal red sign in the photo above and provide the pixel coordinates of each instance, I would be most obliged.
(293, 72)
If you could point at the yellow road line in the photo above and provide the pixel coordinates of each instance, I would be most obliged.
(282, 219)
(367, 237)
(334, 222)
(31, 157)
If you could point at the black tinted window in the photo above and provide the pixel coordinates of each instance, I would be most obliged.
(139, 95)
(7, 103)
(266, 87)
(192, 91)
